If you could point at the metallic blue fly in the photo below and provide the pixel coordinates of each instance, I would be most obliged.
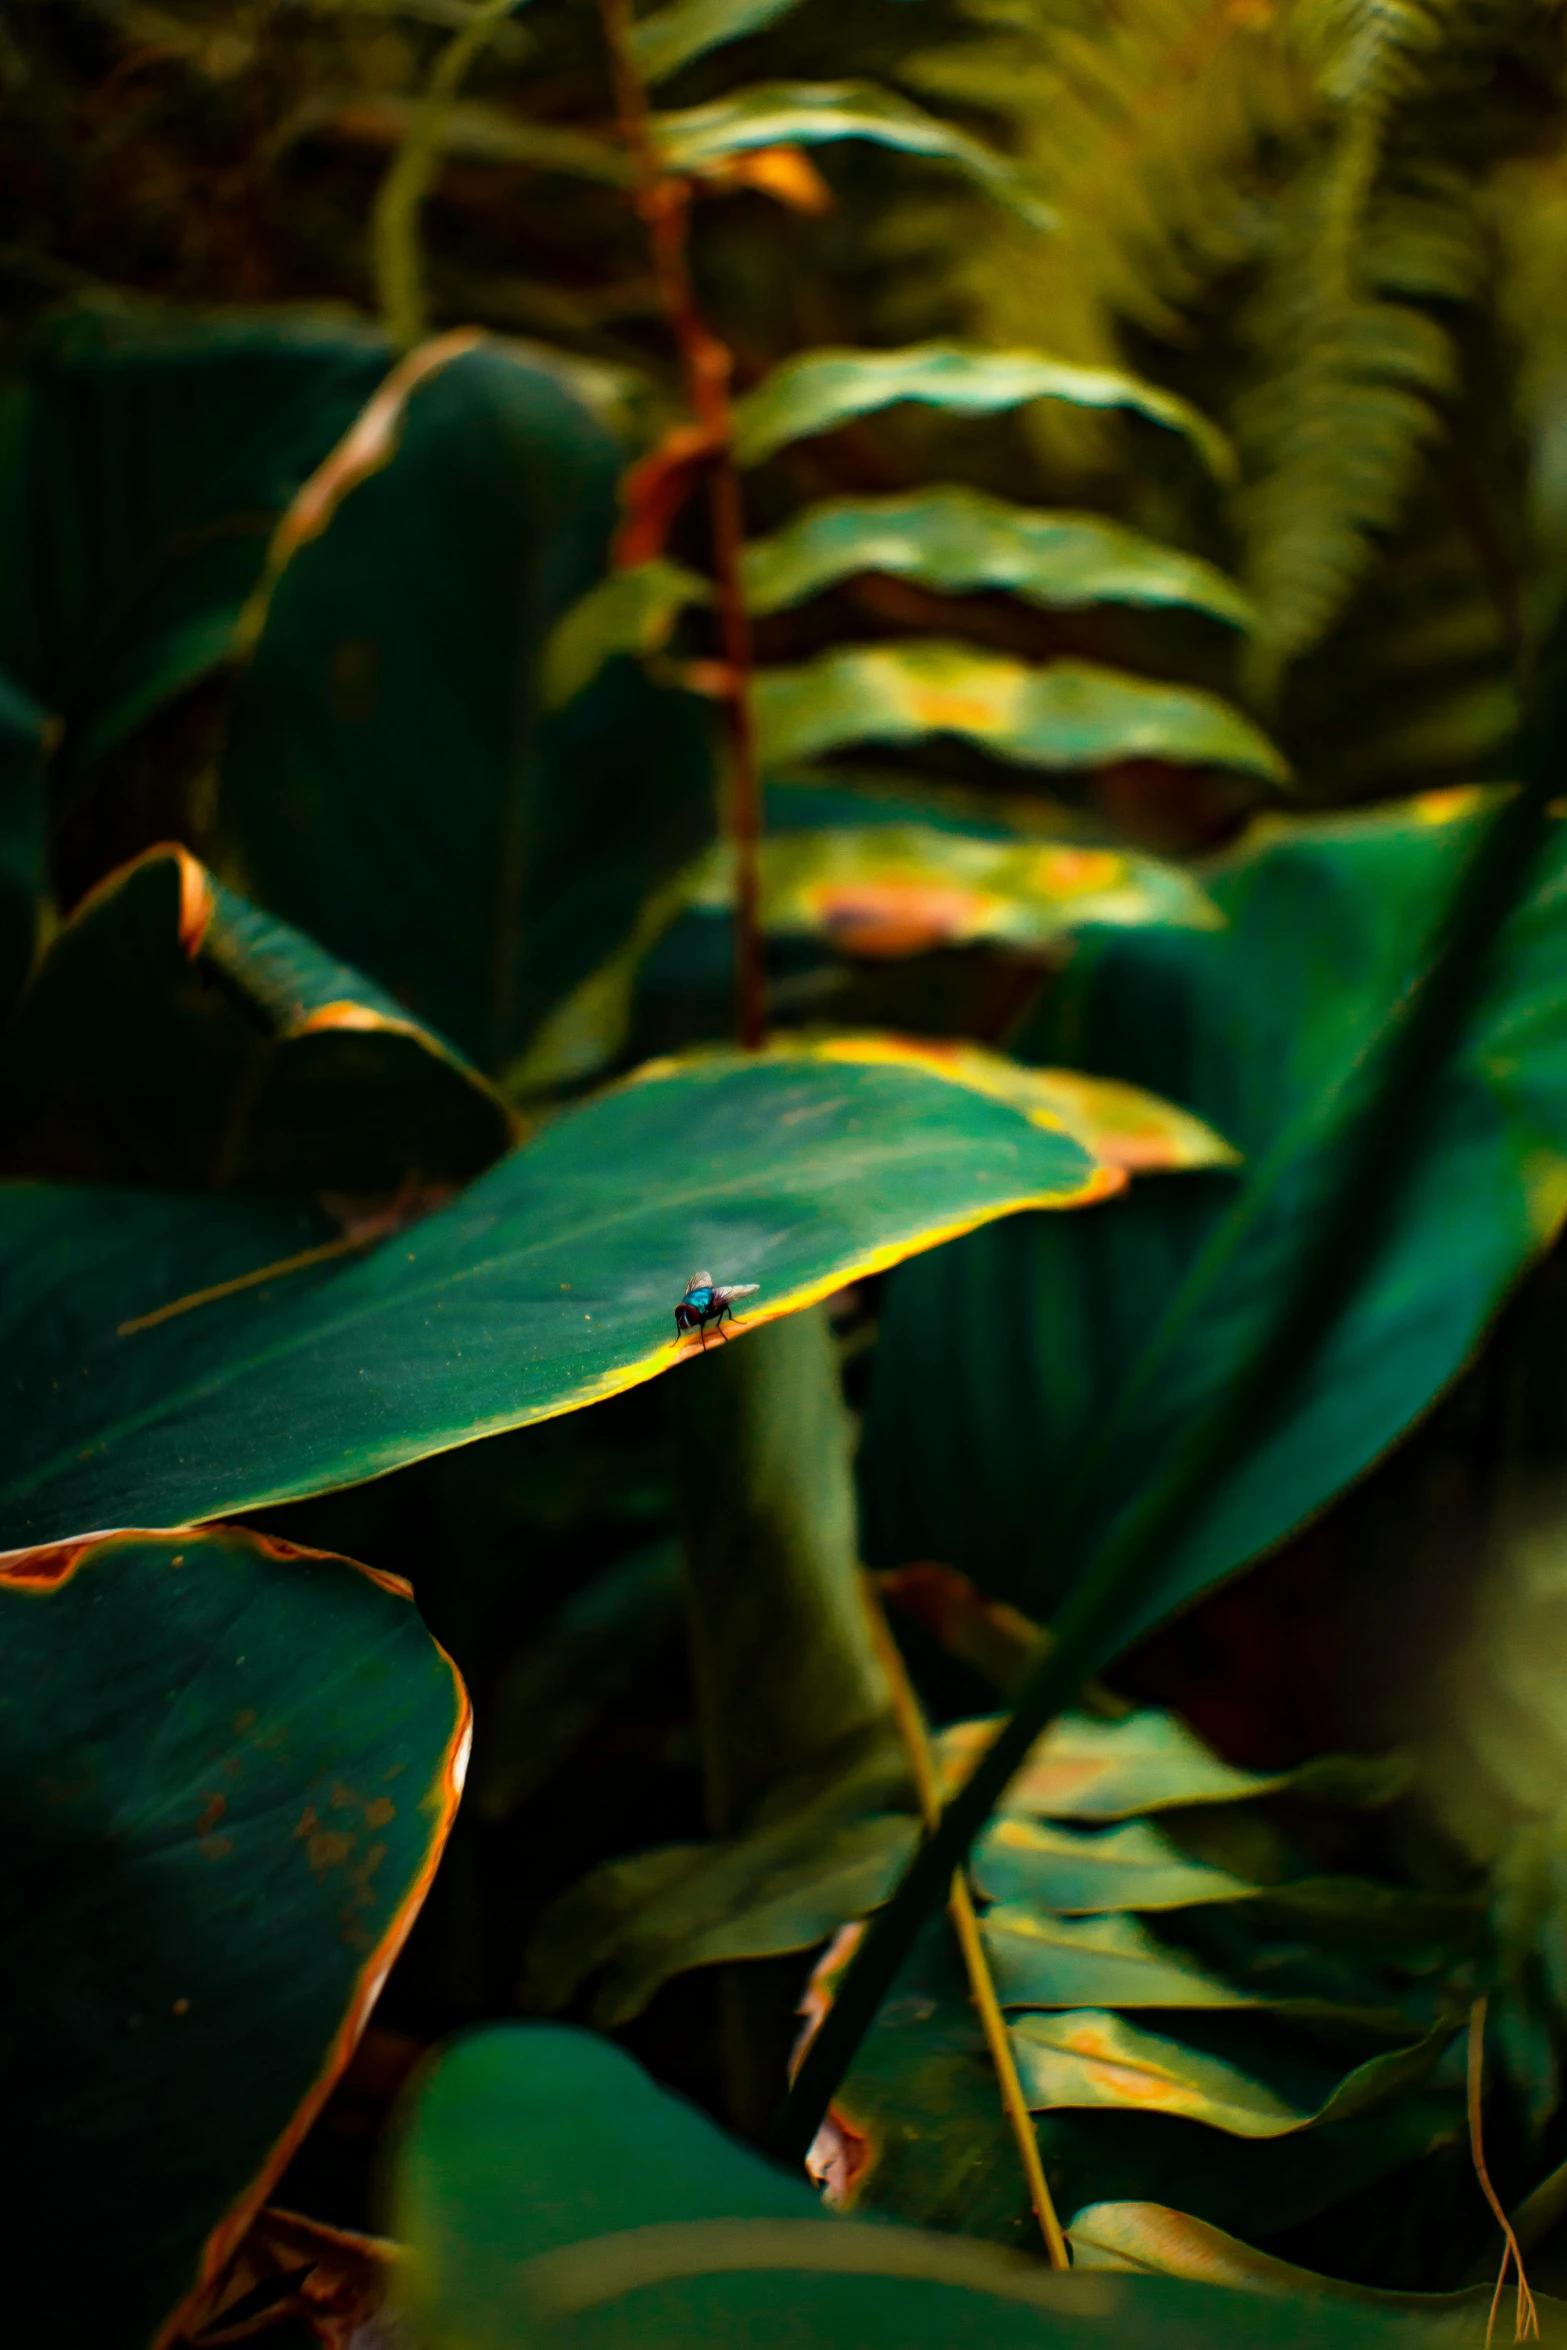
(706, 1301)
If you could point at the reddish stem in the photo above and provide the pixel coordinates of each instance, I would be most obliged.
(664, 200)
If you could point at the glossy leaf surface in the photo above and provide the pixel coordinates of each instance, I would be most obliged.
(890, 890)
(550, 1283)
(960, 541)
(155, 452)
(228, 1769)
(823, 389)
(436, 829)
(814, 114)
(544, 2182)
(1262, 1027)
(1070, 714)
(174, 1034)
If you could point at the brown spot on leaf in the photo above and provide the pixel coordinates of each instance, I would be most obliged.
(329, 1848)
(379, 1810)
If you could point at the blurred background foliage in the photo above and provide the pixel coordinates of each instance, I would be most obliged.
(1335, 230)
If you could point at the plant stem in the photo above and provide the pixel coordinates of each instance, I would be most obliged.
(1527, 2319)
(960, 1907)
(664, 202)
(1376, 1143)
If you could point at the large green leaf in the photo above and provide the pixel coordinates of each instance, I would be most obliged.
(227, 1769)
(1054, 1378)
(550, 1283)
(1069, 714)
(392, 784)
(174, 1034)
(546, 2190)
(959, 540)
(155, 452)
(815, 114)
(823, 389)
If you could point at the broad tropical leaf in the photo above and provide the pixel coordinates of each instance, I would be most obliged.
(156, 1372)
(1069, 714)
(960, 540)
(823, 389)
(814, 114)
(543, 2180)
(228, 1768)
(436, 829)
(154, 454)
(1262, 1027)
(174, 1034)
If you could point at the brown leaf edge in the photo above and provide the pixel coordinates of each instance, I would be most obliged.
(47, 1569)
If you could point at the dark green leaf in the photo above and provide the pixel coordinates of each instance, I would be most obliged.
(174, 1034)
(435, 828)
(1070, 714)
(156, 452)
(1052, 1378)
(823, 389)
(227, 1769)
(959, 541)
(814, 114)
(551, 1283)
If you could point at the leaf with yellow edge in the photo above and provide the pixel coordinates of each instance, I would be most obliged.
(1092, 2057)
(888, 890)
(1070, 714)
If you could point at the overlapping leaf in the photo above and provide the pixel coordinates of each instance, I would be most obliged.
(1069, 714)
(813, 114)
(155, 1371)
(153, 454)
(672, 36)
(174, 1034)
(823, 389)
(1262, 1028)
(435, 828)
(228, 1769)
(543, 2181)
(960, 540)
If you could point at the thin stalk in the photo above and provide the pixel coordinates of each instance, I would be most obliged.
(1527, 2318)
(664, 202)
(1377, 1145)
(960, 1907)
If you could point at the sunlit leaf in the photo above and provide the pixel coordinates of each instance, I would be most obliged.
(1068, 714)
(673, 35)
(543, 2180)
(228, 1770)
(887, 891)
(1097, 2058)
(1044, 1961)
(1263, 1026)
(551, 1282)
(960, 541)
(823, 389)
(174, 1034)
(630, 611)
(1134, 1866)
(1086, 1769)
(812, 114)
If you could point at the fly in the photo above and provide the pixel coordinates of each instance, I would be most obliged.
(708, 1301)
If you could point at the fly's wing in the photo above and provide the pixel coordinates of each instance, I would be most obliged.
(736, 1289)
(699, 1281)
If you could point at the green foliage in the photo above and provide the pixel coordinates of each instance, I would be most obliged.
(1136, 1324)
(229, 1768)
(547, 1285)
